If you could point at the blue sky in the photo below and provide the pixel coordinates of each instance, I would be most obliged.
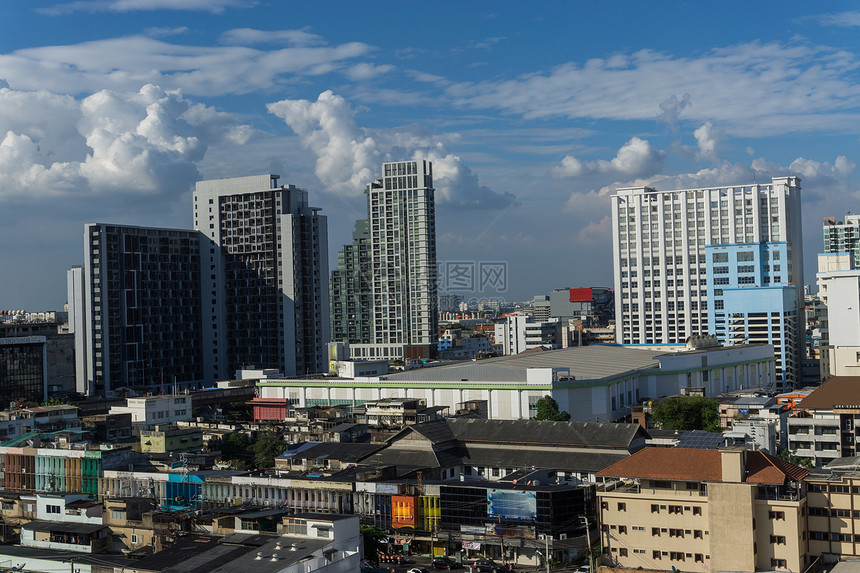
(533, 113)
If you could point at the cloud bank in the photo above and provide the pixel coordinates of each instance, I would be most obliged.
(107, 144)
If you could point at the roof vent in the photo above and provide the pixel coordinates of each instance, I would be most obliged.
(259, 556)
(278, 546)
(293, 547)
(274, 557)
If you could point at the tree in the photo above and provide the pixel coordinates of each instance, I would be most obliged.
(547, 409)
(267, 447)
(374, 541)
(236, 449)
(687, 413)
(791, 457)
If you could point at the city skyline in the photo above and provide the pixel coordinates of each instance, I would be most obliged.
(532, 117)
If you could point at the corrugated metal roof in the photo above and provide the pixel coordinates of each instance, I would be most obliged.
(585, 363)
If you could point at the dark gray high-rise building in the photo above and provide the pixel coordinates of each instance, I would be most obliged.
(351, 290)
(141, 327)
(265, 275)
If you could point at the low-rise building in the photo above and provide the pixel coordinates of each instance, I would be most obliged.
(828, 427)
(704, 510)
(168, 438)
(147, 411)
(593, 383)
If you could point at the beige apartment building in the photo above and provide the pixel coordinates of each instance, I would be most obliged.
(833, 499)
(704, 510)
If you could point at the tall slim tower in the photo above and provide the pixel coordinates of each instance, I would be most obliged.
(723, 260)
(265, 279)
(402, 220)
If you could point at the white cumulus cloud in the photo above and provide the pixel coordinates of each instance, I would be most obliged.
(109, 143)
(708, 140)
(349, 156)
(636, 158)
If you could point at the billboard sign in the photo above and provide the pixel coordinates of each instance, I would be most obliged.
(513, 505)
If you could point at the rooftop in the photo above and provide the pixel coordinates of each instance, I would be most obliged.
(692, 464)
(836, 393)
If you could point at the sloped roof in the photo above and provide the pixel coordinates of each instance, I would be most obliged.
(340, 451)
(767, 469)
(692, 464)
(837, 392)
(583, 434)
(669, 464)
(434, 431)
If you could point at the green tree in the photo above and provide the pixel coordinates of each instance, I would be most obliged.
(267, 447)
(791, 457)
(236, 449)
(374, 541)
(687, 413)
(547, 409)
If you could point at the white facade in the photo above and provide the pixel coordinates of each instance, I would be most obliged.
(78, 327)
(839, 290)
(511, 334)
(592, 383)
(148, 411)
(659, 240)
(402, 219)
(520, 332)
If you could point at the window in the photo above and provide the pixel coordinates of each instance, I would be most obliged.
(676, 509)
(622, 507)
(604, 505)
(779, 515)
(697, 534)
(676, 555)
(778, 563)
(655, 532)
(323, 532)
(655, 554)
(655, 508)
(134, 539)
(676, 533)
(117, 514)
(297, 526)
(52, 508)
(697, 510)
(622, 552)
(622, 529)
(777, 539)
(721, 257)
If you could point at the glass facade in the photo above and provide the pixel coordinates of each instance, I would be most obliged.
(22, 370)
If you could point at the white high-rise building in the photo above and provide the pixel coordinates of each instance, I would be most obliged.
(741, 245)
(402, 219)
(265, 276)
(839, 290)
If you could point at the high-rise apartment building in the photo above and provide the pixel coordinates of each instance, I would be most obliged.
(401, 259)
(722, 260)
(135, 307)
(265, 275)
(351, 290)
(842, 236)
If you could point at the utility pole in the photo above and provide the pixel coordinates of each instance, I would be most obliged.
(588, 539)
(546, 557)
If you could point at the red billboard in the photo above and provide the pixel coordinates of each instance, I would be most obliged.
(580, 294)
